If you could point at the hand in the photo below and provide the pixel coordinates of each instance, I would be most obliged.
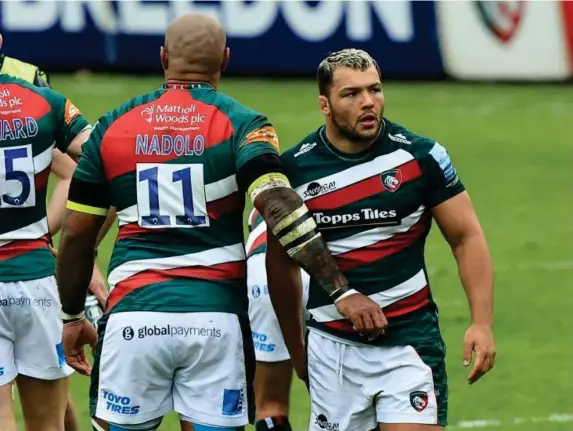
(366, 316)
(75, 336)
(479, 339)
(98, 287)
(53, 250)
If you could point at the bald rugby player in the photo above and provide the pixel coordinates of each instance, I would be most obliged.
(62, 166)
(177, 163)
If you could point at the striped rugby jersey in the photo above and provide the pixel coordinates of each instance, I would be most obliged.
(32, 121)
(169, 160)
(373, 210)
(257, 240)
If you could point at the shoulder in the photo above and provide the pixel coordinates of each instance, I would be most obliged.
(293, 155)
(130, 107)
(421, 147)
(234, 109)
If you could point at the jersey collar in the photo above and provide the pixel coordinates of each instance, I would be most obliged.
(186, 85)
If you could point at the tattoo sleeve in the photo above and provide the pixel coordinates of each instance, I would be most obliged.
(288, 218)
(75, 261)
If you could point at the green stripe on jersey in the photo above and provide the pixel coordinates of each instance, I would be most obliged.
(187, 296)
(32, 265)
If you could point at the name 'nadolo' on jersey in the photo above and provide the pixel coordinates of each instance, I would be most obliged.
(374, 213)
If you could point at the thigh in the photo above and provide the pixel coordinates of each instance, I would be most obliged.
(38, 350)
(337, 387)
(132, 376)
(213, 382)
(409, 391)
(267, 336)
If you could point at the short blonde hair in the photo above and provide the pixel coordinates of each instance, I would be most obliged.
(350, 58)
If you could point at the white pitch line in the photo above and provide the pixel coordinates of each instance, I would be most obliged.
(484, 423)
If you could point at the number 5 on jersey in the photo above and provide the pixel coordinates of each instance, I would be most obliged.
(17, 189)
(171, 196)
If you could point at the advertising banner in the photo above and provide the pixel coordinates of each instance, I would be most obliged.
(266, 37)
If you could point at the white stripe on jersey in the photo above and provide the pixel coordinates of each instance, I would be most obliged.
(360, 172)
(257, 232)
(32, 231)
(328, 313)
(213, 191)
(372, 236)
(43, 160)
(214, 256)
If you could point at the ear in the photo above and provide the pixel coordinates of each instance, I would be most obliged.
(324, 105)
(164, 57)
(226, 59)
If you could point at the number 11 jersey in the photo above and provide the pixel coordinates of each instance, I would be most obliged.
(169, 162)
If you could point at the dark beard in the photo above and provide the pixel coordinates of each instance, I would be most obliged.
(349, 133)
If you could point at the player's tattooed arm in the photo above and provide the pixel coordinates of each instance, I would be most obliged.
(288, 218)
(76, 257)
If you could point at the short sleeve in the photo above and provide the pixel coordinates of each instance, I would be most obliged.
(89, 191)
(258, 137)
(442, 179)
(70, 121)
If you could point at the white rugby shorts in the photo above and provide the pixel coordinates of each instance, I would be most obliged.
(267, 336)
(353, 387)
(150, 363)
(31, 331)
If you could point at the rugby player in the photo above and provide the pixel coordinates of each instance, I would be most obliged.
(31, 352)
(373, 188)
(177, 163)
(273, 375)
(62, 166)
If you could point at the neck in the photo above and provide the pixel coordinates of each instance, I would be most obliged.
(184, 78)
(345, 145)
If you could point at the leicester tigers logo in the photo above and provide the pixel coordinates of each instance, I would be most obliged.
(391, 180)
(419, 400)
(502, 18)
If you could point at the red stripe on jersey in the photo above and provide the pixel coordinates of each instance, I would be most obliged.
(118, 146)
(399, 308)
(361, 190)
(41, 178)
(222, 271)
(379, 250)
(31, 104)
(21, 246)
(133, 229)
(233, 202)
(253, 217)
(261, 239)
(215, 209)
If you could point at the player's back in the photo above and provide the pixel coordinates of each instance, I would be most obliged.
(171, 159)
(32, 120)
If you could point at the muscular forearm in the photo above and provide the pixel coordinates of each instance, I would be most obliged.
(75, 266)
(287, 216)
(285, 291)
(476, 273)
(57, 206)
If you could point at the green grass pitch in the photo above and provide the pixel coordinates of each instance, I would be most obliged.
(512, 146)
